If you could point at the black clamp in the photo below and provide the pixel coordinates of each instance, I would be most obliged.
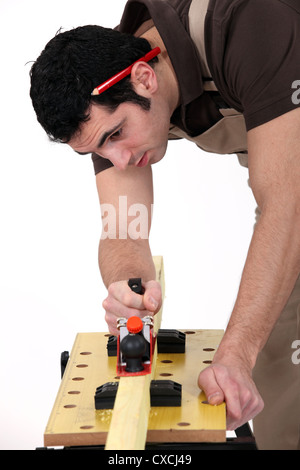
(162, 393)
(105, 396)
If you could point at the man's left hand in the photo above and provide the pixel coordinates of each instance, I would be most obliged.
(234, 385)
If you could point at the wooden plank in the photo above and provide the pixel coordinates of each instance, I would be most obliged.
(75, 422)
(129, 424)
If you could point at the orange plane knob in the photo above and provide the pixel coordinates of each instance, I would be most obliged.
(134, 325)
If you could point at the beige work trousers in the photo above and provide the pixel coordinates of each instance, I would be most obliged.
(277, 377)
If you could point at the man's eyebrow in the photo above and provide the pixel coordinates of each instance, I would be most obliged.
(105, 136)
(110, 132)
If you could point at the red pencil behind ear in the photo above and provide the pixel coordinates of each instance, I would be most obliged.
(120, 75)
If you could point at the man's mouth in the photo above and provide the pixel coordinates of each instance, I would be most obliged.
(143, 161)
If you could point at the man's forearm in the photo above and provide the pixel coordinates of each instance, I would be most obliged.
(122, 259)
(270, 273)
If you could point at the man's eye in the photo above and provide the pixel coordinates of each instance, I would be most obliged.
(116, 134)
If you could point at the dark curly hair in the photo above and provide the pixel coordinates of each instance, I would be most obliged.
(72, 64)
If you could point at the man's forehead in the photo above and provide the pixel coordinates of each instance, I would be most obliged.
(97, 117)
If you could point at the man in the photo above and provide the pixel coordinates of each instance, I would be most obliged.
(230, 84)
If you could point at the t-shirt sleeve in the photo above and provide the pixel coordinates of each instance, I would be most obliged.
(100, 163)
(262, 59)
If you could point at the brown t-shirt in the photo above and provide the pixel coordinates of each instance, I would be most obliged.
(251, 49)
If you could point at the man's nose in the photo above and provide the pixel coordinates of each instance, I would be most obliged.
(121, 158)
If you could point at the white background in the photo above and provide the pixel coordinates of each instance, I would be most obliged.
(50, 286)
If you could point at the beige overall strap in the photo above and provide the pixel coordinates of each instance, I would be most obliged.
(197, 14)
(228, 135)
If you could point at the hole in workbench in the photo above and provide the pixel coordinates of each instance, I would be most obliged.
(166, 361)
(165, 374)
(208, 349)
(205, 402)
(70, 406)
(85, 353)
(189, 332)
(78, 378)
(82, 365)
(207, 362)
(74, 392)
(183, 424)
(86, 427)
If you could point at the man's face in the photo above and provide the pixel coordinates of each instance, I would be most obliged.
(128, 136)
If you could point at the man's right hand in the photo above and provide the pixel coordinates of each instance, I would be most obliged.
(123, 302)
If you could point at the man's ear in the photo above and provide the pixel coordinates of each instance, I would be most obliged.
(144, 79)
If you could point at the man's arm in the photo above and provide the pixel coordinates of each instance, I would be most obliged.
(271, 269)
(126, 199)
